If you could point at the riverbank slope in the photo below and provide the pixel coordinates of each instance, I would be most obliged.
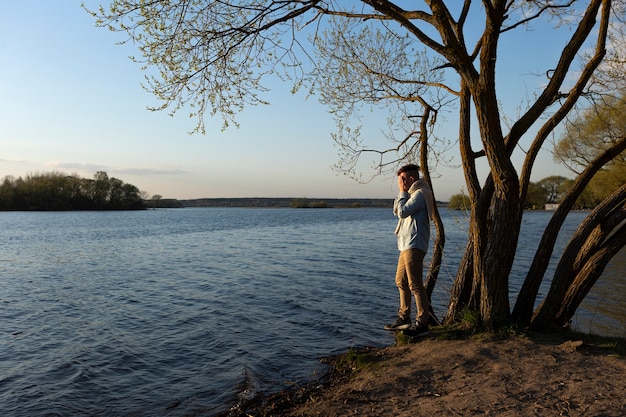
(538, 375)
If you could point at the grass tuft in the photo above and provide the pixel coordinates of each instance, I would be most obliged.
(354, 360)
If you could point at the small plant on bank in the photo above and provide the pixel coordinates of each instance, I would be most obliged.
(353, 361)
(402, 339)
(470, 319)
(510, 330)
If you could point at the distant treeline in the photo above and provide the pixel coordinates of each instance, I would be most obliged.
(269, 202)
(158, 202)
(57, 191)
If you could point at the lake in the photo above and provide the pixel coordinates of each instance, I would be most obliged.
(185, 311)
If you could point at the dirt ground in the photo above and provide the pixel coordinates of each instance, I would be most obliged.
(518, 376)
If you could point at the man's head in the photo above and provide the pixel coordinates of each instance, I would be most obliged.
(412, 169)
(408, 174)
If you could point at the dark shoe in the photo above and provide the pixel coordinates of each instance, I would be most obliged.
(399, 324)
(417, 331)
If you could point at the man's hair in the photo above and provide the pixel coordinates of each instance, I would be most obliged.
(412, 168)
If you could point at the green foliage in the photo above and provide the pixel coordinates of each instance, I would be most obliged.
(554, 188)
(535, 197)
(459, 202)
(594, 131)
(299, 203)
(319, 204)
(402, 339)
(57, 191)
(510, 330)
(470, 319)
(551, 190)
(602, 185)
(205, 57)
(354, 360)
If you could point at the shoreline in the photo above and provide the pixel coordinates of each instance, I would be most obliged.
(535, 374)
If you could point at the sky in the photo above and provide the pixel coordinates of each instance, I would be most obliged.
(71, 101)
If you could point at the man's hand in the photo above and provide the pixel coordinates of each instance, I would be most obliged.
(404, 182)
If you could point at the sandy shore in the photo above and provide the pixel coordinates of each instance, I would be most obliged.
(539, 375)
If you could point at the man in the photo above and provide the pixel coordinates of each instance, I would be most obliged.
(413, 206)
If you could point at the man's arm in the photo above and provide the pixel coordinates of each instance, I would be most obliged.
(407, 204)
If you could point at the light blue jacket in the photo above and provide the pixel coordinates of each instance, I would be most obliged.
(414, 209)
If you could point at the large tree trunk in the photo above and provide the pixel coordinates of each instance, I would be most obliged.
(496, 217)
(482, 281)
(460, 298)
(495, 209)
(588, 275)
(498, 258)
(435, 263)
(494, 255)
(522, 313)
(597, 239)
(440, 235)
(460, 294)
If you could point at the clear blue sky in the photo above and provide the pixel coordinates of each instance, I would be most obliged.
(71, 101)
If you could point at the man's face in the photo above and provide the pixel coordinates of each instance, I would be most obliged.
(407, 178)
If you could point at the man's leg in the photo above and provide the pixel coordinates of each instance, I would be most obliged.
(402, 282)
(414, 265)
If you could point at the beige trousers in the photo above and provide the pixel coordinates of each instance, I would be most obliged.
(409, 282)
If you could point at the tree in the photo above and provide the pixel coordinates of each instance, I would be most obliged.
(299, 203)
(553, 188)
(57, 191)
(588, 135)
(7, 193)
(593, 147)
(535, 196)
(101, 189)
(213, 57)
(459, 202)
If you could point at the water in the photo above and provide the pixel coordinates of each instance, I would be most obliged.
(184, 312)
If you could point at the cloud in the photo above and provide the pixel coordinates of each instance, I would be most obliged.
(93, 168)
(76, 166)
(12, 160)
